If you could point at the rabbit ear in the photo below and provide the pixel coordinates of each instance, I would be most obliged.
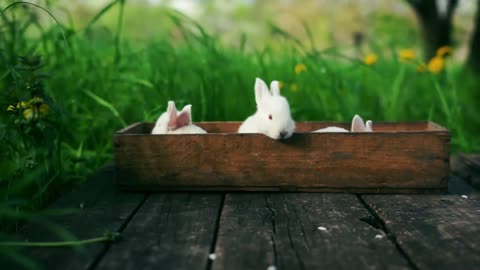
(172, 115)
(275, 88)
(261, 90)
(357, 124)
(368, 125)
(184, 118)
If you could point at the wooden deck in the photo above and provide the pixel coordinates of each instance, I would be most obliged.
(179, 230)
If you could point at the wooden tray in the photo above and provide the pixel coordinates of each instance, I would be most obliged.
(396, 158)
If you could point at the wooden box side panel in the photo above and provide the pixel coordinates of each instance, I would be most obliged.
(302, 127)
(339, 161)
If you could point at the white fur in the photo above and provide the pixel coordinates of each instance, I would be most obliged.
(173, 122)
(357, 126)
(331, 129)
(270, 104)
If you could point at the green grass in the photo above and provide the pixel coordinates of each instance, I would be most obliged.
(101, 81)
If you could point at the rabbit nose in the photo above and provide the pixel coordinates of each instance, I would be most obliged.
(283, 134)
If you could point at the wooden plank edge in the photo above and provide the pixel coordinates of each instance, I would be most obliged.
(131, 127)
(431, 128)
(435, 190)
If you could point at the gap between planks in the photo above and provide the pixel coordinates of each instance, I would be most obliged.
(107, 246)
(391, 236)
(282, 231)
(215, 235)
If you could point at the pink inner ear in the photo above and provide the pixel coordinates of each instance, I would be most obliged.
(183, 119)
(172, 122)
(358, 126)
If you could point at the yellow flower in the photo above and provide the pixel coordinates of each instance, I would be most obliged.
(281, 84)
(10, 108)
(370, 59)
(444, 51)
(406, 55)
(299, 68)
(28, 113)
(33, 109)
(35, 100)
(436, 64)
(294, 87)
(421, 68)
(22, 104)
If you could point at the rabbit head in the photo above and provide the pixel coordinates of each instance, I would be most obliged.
(273, 116)
(172, 120)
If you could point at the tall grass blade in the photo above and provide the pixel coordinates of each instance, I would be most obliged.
(102, 102)
(100, 15)
(45, 10)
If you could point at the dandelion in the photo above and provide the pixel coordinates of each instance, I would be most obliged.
(406, 55)
(294, 87)
(299, 68)
(444, 51)
(370, 59)
(436, 64)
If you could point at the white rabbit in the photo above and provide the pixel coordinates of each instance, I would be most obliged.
(173, 122)
(273, 113)
(357, 126)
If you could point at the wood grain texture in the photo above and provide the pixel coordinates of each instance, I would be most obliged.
(436, 232)
(170, 231)
(262, 229)
(378, 161)
(103, 208)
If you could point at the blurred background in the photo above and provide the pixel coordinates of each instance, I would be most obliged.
(385, 22)
(72, 72)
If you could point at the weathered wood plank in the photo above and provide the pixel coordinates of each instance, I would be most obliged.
(436, 232)
(282, 229)
(98, 207)
(171, 231)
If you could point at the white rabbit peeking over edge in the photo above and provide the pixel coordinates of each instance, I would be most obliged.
(357, 126)
(273, 113)
(173, 122)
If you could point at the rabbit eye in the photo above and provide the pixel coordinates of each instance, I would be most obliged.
(270, 117)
